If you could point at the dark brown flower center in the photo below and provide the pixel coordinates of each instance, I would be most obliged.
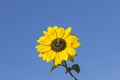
(58, 45)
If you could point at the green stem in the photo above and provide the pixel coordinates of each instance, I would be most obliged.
(68, 70)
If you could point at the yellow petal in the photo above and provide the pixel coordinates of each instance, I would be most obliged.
(76, 44)
(67, 32)
(63, 55)
(48, 58)
(44, 40)
(71, 51)
(60, 55)
(46, 34)
(51, 55)
(71, 38)
(60, 32)
(55, 28)
(57, 61)
(46, 55)
(41, 48)
(40, 55)
(52, 33)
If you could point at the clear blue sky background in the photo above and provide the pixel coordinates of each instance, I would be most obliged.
(95, 22)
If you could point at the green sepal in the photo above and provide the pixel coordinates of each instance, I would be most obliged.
(53, 67)
(76, 68)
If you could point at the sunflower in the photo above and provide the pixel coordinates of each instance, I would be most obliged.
(57, 44)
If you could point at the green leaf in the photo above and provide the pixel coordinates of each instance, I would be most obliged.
(53, 67)
(76, 68)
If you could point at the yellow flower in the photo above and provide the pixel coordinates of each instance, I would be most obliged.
(57, 45)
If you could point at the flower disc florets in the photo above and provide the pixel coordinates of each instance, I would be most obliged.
(58, 44)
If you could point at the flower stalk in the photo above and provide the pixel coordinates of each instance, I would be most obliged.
(68, 70)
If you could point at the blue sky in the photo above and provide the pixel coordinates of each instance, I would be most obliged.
(95, 22)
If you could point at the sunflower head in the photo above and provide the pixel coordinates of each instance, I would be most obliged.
(57, 44)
